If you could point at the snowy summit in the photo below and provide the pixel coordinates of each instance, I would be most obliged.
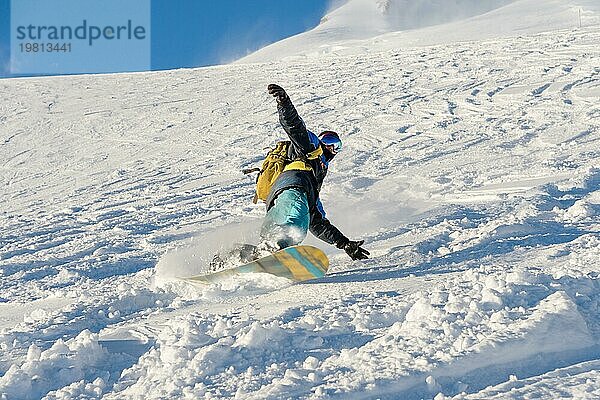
(360, 26)
(470, 166)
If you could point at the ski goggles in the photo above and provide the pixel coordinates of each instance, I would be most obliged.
(332, 141)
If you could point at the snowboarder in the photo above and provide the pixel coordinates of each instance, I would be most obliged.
(293, 204)
(292, 196)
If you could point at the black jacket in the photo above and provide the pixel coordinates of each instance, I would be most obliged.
(304, 142)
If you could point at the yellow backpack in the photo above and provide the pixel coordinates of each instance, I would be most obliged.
(274, 164)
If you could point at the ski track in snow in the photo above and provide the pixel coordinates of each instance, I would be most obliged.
(471, 170)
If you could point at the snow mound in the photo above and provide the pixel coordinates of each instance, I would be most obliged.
(59, 366)
(375, 344)
(577, 381)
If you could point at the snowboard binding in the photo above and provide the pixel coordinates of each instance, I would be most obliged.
(240, 254)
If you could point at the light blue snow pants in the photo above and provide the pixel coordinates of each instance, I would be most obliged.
(287, 222)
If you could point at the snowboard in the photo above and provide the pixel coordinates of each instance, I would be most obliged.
(298, 263)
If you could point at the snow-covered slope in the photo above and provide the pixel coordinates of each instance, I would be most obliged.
(471, 170)
(375, 25)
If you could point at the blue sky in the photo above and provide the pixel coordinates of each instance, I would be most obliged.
(191, 33)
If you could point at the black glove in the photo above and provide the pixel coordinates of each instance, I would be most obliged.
(277, 92)
(353, 249)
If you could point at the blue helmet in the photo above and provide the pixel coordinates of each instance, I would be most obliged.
(332, 140)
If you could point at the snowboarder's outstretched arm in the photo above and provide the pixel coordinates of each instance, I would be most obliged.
(323, 229)
(327, 232)
(291, 121)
